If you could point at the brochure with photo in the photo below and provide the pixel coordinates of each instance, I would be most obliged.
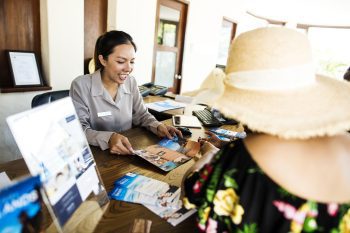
(21, 206)
(123, 194)
(171, 215)
(170, 153)
(228, 134)
(140, 189)
(54, 146)
(148, 186)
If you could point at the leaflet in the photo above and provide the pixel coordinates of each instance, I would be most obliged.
(169, 153)
(20, 206)
(142, 184)
(228, 134)
(171, 215)
(124, 194)
(140, 189)
(165, 105)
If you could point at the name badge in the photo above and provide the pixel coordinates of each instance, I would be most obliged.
(102, 114)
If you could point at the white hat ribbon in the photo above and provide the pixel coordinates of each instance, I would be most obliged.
(273, 79)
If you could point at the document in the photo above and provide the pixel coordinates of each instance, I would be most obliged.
(165, 105)
(21, 206)
(171, 215)
(225, 134)
(169, 153)
(140, 189)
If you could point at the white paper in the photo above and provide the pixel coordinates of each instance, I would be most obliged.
(4, 180)
(25, 68)
(165, 105)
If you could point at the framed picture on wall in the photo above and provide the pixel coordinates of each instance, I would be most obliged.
(24, 68)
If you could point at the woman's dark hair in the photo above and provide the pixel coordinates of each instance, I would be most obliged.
(347, 75)
(106, 43)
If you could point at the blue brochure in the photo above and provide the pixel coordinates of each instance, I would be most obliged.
(20, 206)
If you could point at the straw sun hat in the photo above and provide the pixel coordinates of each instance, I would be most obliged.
(270, 85)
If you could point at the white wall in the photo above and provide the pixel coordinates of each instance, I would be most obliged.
(62, 32)
(137, 17)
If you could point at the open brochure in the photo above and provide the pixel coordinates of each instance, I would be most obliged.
(140, 189)
(21, 206)
(170, 153)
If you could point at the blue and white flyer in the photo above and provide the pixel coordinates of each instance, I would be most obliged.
(140, 189)
(20, 206)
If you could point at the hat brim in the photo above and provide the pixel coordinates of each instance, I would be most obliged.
(317, 110)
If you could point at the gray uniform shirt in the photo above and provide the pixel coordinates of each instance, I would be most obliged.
(101, 116)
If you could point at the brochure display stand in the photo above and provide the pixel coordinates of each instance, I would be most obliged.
(54, 146)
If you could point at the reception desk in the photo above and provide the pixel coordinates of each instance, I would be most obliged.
(119, 216)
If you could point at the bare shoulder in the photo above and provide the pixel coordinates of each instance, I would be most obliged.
(312, 168)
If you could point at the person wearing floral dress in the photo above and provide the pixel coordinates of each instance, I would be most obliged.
(291, 173)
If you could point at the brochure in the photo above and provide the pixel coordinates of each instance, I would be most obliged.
(144, 184)
(165, 105)
(21, 205)
(228, 134)
(140, 189)
(123, 194)
(169, 153)
(172, 216)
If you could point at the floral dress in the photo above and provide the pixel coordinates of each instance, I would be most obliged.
(232, 194)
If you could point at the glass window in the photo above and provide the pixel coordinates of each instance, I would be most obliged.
(227, 32)
(331, 50)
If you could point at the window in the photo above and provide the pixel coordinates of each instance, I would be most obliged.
(330, 50)
(227, 33)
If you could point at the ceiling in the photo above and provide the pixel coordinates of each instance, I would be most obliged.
(305, 12)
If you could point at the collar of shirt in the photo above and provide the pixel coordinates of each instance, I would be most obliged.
(97, 86)
(98, 90)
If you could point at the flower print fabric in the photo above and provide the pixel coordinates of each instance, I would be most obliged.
(232, 194)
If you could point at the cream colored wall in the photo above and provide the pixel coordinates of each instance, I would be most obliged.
(137, 17)
(62, 32)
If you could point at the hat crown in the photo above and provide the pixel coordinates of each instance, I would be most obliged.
(269, 48)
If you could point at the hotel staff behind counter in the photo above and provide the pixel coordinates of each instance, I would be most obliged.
(108, 101)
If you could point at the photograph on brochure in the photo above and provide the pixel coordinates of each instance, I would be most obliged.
(169, 153)
(21, 206)
(136, 188)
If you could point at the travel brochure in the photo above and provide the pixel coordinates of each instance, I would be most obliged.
(165, 105)
(170, 153)
(159, 197)
(21, 206)
(227, 135)
(171, 215)
(140, 189)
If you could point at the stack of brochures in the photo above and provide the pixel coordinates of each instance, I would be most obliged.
(165, 105)
(160, 197)
(140, 189)
(170, 153)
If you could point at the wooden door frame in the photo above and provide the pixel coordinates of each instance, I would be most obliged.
(180, 39)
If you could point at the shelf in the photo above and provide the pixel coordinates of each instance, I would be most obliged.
(23, 89)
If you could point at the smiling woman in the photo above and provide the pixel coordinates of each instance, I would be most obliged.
(108, 101)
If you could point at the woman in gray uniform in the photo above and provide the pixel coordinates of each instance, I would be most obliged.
(108, 101)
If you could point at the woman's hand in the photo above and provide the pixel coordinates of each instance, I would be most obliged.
(213, 139)
(119, 144)
(168, 131)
